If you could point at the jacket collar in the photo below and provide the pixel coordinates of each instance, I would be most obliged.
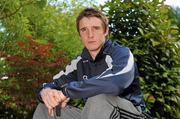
(104, 50)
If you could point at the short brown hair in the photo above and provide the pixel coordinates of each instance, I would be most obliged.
(91, 12)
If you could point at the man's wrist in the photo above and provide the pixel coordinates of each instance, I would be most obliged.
(65, 92)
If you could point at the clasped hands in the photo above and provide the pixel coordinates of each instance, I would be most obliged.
(52, 98)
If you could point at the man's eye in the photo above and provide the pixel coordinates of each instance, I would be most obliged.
(83, 29)
(96, 27)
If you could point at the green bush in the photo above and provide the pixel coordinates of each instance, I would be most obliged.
(145, 27)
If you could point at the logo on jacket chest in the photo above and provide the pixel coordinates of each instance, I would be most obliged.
(85, 77)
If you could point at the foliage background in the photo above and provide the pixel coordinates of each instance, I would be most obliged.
(148, 29)
(38, 37)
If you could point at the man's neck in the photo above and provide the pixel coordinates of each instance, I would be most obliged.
(94, 53)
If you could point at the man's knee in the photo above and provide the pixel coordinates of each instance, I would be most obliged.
(96, 105)
(110, 100)
(103, 99)
(106, 105)
(100, 97)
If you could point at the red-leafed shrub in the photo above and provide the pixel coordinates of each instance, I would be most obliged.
(33, 64)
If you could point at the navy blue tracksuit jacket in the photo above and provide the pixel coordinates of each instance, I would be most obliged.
(112, 72)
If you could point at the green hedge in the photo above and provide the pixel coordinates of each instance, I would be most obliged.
(145, 27)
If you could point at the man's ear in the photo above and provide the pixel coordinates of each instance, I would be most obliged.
(107, 31)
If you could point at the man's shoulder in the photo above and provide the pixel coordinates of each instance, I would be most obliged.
(115, 48)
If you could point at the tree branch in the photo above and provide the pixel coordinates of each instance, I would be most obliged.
(13, 13)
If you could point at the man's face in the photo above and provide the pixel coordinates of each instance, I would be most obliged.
(92, 33)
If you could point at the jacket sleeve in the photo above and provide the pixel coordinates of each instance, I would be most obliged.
(113, 80)
(65, 76)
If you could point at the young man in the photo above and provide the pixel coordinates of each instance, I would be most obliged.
(104, 75)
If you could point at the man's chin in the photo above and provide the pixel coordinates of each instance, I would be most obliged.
(92, 48)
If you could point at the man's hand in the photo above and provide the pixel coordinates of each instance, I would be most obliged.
(52, 98)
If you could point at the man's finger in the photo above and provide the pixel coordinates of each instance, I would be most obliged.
(51, 112)
(64, 103)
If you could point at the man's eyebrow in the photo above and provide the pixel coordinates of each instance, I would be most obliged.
(96, 26)
(91, 26)
(82, 28)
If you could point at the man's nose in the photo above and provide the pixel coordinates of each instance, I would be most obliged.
(90, 33)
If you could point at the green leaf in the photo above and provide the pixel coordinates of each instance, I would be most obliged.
(155, 43)
(152, 26)
(141, 31)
